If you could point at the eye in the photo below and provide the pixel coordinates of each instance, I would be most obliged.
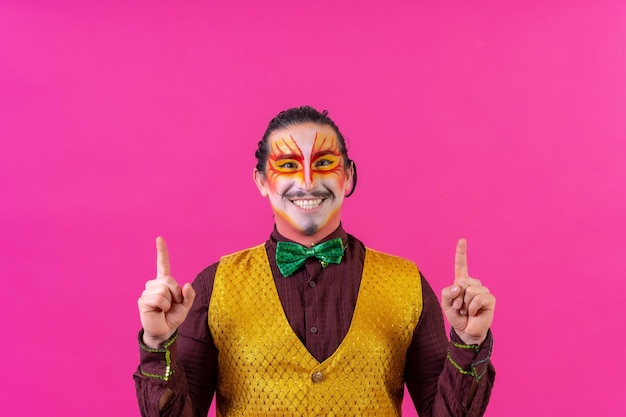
(326, 163)
(323, 163)
(287, 165)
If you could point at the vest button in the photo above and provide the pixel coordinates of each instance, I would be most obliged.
(313, 329)
(317, 377)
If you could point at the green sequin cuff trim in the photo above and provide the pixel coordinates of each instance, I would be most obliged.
(474, 367)
(169, 370)
(462, 346)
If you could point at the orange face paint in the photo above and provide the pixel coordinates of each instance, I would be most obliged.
(305, 180)
(287, 159)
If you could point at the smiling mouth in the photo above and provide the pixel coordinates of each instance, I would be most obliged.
(308, 204)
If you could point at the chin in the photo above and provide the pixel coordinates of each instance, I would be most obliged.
(310, 230)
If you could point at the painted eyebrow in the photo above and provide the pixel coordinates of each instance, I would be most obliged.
(322, 153)
(287, 156)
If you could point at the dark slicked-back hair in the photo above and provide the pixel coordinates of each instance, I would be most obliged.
(298, 115)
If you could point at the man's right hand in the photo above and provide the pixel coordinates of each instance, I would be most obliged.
(163, 306)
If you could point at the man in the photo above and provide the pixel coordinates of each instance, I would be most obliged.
(312, 322)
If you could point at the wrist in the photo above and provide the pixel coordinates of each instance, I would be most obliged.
(469, 339)
(152, 342)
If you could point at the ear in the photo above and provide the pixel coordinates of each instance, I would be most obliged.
(349, 183)
(261, 182)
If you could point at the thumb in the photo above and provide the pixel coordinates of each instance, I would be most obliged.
(189, 294)
(448, 295)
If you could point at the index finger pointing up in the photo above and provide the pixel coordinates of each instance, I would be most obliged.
(163, 259)
(460, 260)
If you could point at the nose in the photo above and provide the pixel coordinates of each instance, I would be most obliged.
(307, 182)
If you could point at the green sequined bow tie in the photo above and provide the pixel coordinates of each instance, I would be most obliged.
(291, 256)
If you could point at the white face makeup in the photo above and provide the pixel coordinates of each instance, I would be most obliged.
(305, 180)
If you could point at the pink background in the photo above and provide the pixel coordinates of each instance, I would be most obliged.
(502, 122)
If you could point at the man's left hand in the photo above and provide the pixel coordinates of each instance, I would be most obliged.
(468, 304)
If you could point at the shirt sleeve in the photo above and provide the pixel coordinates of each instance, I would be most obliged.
(445, 377)
(186, 364)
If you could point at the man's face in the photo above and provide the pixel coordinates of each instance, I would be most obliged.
(305, 180)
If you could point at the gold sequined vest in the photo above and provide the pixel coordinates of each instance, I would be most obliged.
(265, 370)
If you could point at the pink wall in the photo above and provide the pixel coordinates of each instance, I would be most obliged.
(501, 123)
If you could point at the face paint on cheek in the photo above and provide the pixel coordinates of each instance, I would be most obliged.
(330, 180)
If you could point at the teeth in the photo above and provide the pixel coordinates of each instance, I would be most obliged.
(307, 204)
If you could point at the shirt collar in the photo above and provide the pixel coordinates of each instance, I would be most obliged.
(276, 237)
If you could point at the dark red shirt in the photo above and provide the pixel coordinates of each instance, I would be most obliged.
(319, 304)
